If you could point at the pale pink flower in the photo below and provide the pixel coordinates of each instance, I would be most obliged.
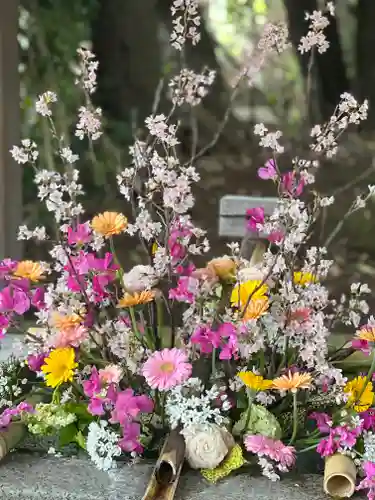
(272, 448)
(72, 336)
(166, 369)
(111, 374)
(268, 171)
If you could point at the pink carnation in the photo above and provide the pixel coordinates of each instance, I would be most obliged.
(271, 448)
(72, 336)
(166, 369)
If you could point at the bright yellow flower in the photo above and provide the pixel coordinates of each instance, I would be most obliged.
(256, 309)
(254, 382)
(241, 292)
(360, 402)
(130, 300)
(30, 270)
(292, 382)
(301, 278)
(367, 332)
(109, 223)
(59, 366)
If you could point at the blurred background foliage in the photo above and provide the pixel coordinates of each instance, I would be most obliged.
(131, 41)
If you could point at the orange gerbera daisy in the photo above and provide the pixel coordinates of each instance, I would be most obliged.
(367, 332)
(135, 299)
(256, 309)
(109, 223)
(292, 382)
(30, 270)
(65, 321)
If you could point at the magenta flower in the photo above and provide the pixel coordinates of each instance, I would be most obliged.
(362, 345)
(272, 448)
(166, 369)
(9, 413)
(206, 338)
(254, 216)
(291, 184)
(130, 437)
(275, 236)
(4, 325)
(92, 386)
(96, 406)
(13, 299)
(186, 291)
(323, 421)
(37, 298)
(368, 483)
(368, 418)
(129, 406)
(268, 171)
(36, 361)
(79, 236)
(7, 266)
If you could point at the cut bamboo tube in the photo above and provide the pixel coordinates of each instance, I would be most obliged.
(339, 476)
(164, 480)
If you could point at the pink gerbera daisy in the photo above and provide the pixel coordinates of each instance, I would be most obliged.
(166, 369)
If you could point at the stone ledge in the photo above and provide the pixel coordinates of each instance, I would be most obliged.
(29, 477)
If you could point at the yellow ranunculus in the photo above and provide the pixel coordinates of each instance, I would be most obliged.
(59, 366)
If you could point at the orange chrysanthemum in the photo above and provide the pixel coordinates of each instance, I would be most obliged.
(30, 270)
(109, 223)
(65, 321)
(256, 309)
(135, 299)
(367, 332)
(292, 382)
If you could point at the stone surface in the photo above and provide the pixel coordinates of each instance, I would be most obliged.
(9, 345)
(28, 477)
(233, 210)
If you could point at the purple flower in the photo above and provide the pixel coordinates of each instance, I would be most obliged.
(323, 421)
(92, 386)
(37, 299)
(362, 345)
(254, 217)
(186, 291)
(96, 406)
(368, 483)
(268, 171)
(129, 406)
(79, 236)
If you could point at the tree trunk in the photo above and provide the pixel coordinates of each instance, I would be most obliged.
(365, 57)
(125, 41)
(329, 69)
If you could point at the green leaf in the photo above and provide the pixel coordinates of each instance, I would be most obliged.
(68, 434)
(80, 440)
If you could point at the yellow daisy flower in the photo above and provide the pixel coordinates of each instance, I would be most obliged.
(254, 382)
(109, 223)
(360, 402)
(301, 278)
(242, 291)
(130, 300)
(30, 270)
(59, 366)
(292, 382)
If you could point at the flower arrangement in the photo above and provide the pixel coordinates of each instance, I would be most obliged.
(245, 368)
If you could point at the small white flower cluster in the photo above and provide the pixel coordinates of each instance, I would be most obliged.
(123, 344)
(274, 38)
(269, 139)
(190, 87)
(315, 36)
(144, 225)
(268, 469)
(158, 127)
(139, 278)
(9, 385)
(190, 404)
(67, 155)
(89, 123)
(26, 153)
(347, 112)
(39, 233)
(185, 24)
(44, 102)
(87, 70)
(369, 442)
(102, 445)
(52, 187)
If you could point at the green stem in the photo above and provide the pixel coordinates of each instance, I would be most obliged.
(133, 320)
(248, 416)
(213, 362)
(309, 448)
(295, 419)
(113, 251)
(368, 378)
